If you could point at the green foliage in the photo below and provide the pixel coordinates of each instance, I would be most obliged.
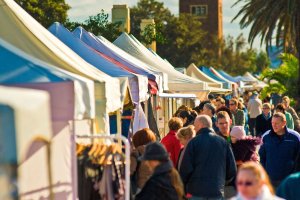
(99, 25)
(284, 79)
(181, 40)
(268, 19)
(149, 9)
(184, 41)
(46, 12)
(262, 61)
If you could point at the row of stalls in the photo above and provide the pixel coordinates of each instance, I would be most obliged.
(222, 81)
(59, 86)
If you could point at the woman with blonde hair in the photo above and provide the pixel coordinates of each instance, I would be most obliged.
(184, 135)
(253, 183)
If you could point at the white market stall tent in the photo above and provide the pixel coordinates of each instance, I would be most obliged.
(104, 46)
(214, 85)
(71, 103)
(25, 33)
(25, 133)
(177, 82)
(138, 83)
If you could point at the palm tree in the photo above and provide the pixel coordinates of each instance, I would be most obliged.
(269, 18)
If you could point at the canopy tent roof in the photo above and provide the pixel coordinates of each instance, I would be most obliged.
(177, 82)
(194, 72)
(18, 68)
(209, 73)
(228, 77)
(213, 85)
(249, 77)
(102, 45)
(97, 59)
(220, 76)
(138, 83)
(25, 33)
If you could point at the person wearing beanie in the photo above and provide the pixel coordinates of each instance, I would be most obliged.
(165, 183)
(243, 147)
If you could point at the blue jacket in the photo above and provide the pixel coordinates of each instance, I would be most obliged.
(207, 163)
(279, 154)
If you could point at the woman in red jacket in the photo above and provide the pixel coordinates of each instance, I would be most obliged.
(170, 141)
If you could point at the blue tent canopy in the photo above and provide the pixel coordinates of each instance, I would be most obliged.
(101, 45)
(206, 70)
(93, 57)
(227, 76)
(18, 67)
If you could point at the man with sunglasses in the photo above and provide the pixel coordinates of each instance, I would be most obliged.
(280, 150)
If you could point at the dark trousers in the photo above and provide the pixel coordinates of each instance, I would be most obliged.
(252, 126)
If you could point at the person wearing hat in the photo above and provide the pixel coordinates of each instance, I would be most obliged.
(165, 182)
(243, 147)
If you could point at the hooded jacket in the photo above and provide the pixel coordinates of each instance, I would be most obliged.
(159, 185)
(278, 154)
(207, 164)
(139, 167)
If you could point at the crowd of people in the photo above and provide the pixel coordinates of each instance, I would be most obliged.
(240, 149)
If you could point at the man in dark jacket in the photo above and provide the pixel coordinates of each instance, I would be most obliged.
(264, 121)
(280, 150)
(208, 162)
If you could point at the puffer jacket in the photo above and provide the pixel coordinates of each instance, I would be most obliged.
(245, 149)
(140, 167)
(159, 185)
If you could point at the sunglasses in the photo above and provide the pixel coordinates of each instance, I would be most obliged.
(246, 183)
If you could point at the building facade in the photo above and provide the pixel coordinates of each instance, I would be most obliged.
(209, 13)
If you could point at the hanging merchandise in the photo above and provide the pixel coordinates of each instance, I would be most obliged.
(151, 120)
(103, 168)
(139, 120)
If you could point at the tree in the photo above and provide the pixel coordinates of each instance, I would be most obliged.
(149, 9)
(98, 25)
(46, 12)
(262, 61)
(184, 41)
(284, 79)
(268, 18)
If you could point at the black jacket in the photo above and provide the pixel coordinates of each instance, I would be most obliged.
(262, 125)
(159, 185)
(207, 164)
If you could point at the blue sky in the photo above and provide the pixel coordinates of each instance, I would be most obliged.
(81, 9)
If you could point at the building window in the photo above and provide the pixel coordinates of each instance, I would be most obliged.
(199, 10)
